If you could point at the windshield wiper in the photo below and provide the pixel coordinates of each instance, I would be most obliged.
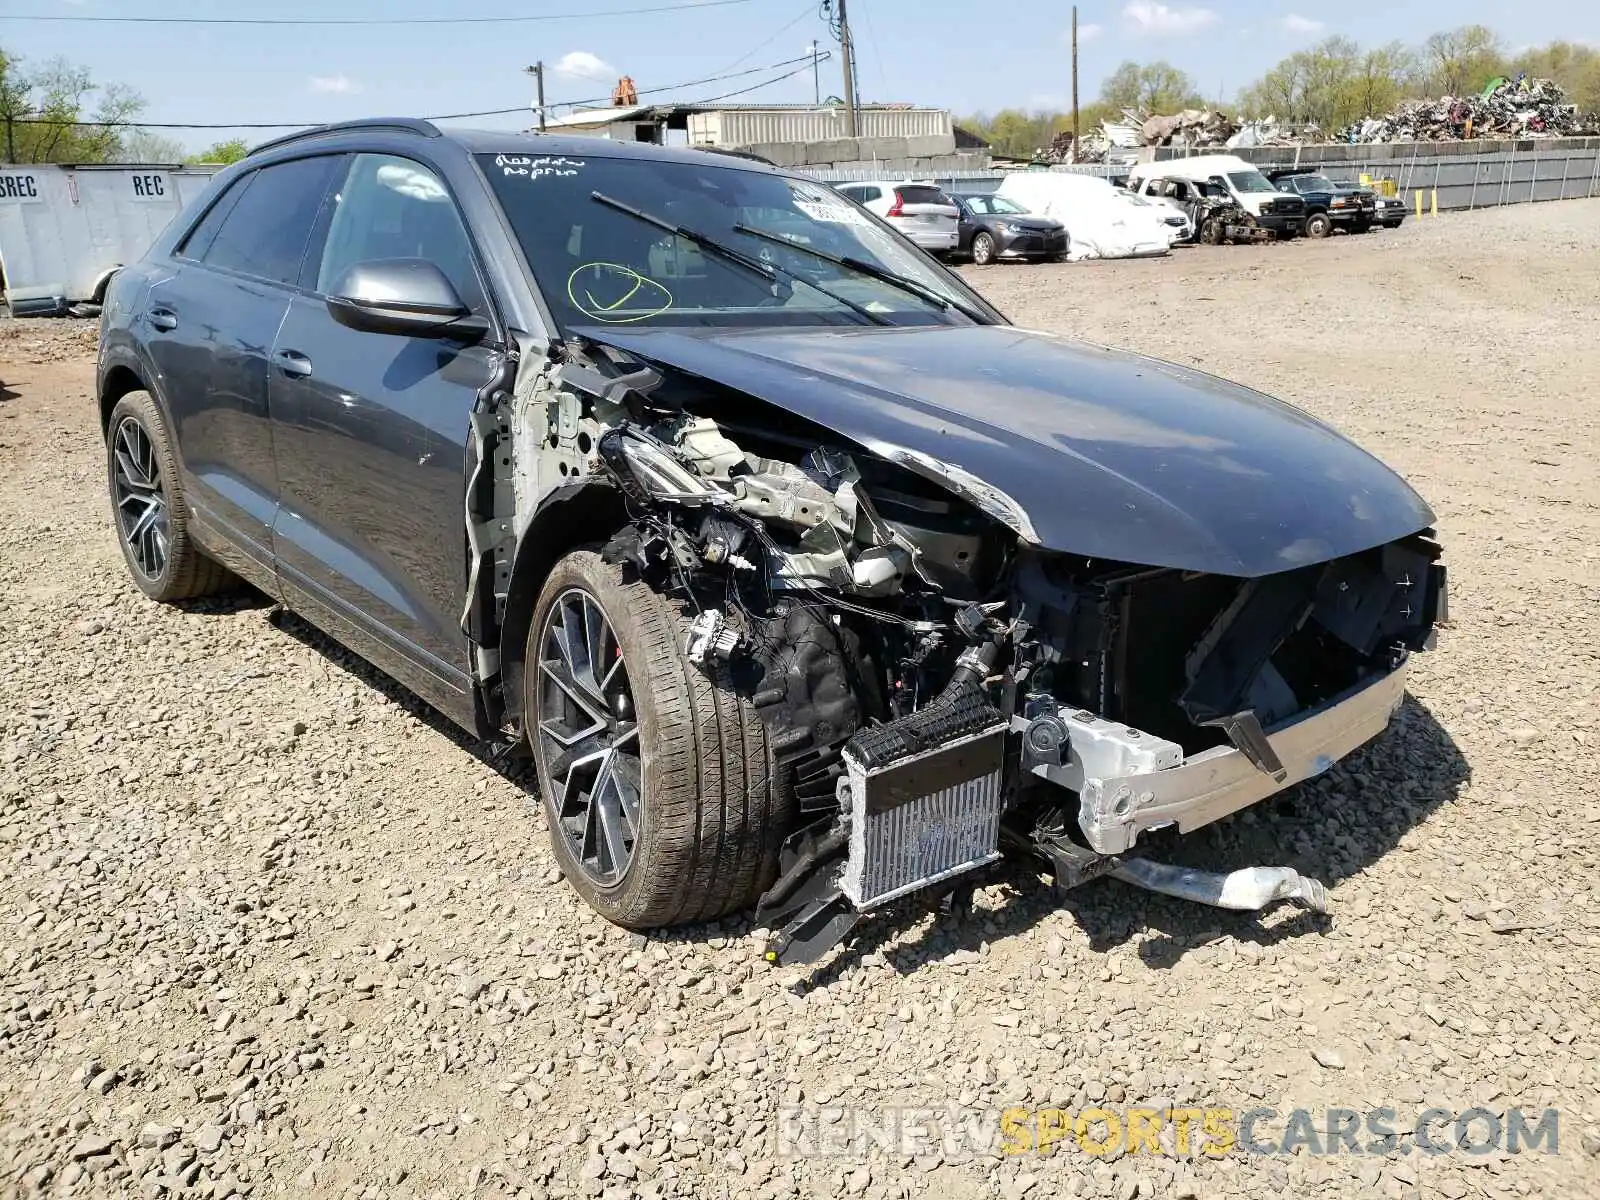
(906, 284)
(768, 271)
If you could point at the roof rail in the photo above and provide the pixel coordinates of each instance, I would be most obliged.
(394, 124)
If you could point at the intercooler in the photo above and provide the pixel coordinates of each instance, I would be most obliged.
(923, 797)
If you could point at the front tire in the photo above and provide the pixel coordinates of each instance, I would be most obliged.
(148, 505)
(655, 774)
(1319, 225)
(982, 249)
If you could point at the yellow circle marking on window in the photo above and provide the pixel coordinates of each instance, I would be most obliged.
(590, 306)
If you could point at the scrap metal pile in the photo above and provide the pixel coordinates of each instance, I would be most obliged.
(1506, 108)
(1194, 127)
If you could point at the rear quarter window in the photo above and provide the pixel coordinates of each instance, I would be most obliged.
(198, 240)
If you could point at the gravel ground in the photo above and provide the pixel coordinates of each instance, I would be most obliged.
(271, 928)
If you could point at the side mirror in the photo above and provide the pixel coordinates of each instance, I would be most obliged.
(410, 297)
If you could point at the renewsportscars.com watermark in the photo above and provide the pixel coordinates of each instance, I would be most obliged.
(810, 1131)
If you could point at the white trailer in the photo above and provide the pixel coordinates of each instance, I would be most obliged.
(64, 230)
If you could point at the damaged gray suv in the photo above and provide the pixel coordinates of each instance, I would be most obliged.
(807, 580)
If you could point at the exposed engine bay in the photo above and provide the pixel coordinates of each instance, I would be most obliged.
(937, 687)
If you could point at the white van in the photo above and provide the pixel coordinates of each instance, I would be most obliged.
(1282, 212)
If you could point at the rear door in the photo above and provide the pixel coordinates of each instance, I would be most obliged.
(372, 436)
(210, 327)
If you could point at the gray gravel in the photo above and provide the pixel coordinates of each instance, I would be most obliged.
(270, 928)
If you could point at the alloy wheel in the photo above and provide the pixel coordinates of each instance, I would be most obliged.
(143, 515)
(589, 737)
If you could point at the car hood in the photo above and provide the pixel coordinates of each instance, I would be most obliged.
(1079, 448)
(1025, 221)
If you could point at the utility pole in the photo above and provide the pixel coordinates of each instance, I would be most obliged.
(537, 71)
(847, 50)
(1075, 130)
(816, 81)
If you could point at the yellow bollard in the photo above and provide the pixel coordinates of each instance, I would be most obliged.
(1434, 209)
(1418, 195)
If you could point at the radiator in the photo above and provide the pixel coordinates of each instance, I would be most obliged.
(921, 816)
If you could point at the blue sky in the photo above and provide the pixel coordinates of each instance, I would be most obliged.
(951, 53)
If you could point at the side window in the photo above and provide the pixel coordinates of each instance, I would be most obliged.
(265, 232)
(391, 207)
(199, 238)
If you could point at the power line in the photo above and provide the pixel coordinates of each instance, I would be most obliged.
(687, 6)
(675, 87)
(762, 45)
(757, 86)
(490, 112)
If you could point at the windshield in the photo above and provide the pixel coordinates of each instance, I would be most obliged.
(996, 205)
(1314, 183)
(1250, 181)
(596, 263)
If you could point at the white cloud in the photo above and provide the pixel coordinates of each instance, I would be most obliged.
(1294, 23)
(1087, 33)
(1160, 19)
(339, 85)
(585, 65)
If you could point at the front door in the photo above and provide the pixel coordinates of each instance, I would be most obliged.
(372, 433)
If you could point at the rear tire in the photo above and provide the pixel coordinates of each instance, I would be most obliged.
(707, 816)
(982, 249)
(148, 506)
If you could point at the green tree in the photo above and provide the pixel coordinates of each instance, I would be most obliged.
(1574, 66)
(1329, 85)
(1157, 87)
(47, 116)
(230, 151)
(1381, 80)
(1462, 60)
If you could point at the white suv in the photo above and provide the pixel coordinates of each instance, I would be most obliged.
(919, 210)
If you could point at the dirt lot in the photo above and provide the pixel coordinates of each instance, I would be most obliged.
(269, 928)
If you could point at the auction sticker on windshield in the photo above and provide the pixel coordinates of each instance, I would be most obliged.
(821, 204)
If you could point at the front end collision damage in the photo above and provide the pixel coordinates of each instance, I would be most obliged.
(939, 681)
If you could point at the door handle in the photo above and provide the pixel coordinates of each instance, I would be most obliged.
(292, 363)
(163, 318)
